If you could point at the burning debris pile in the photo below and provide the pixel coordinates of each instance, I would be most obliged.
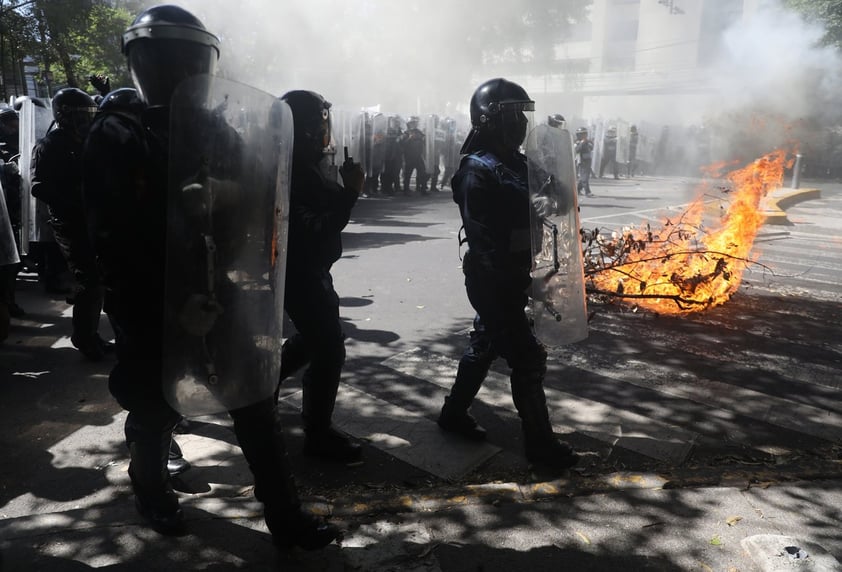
(692, 262)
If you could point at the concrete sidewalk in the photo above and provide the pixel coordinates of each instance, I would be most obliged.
(72, 509)
(764, 528)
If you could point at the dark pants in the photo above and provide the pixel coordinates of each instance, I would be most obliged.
(313, 306)
(390, 178)
(606, 160)
(502, 329)
(414, 164)
(583, 176)
(136, 384)
(75, 246)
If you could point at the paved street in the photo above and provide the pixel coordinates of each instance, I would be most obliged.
(684, 421)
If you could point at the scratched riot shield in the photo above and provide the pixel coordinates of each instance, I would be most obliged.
(8, 247)
(558, 304)
(227, 217)
(35, 118)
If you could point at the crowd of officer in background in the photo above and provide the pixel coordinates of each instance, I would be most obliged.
(401, 156)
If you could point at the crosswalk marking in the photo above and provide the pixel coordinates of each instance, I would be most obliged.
(571, 413)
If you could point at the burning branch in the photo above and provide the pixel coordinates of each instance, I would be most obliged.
(686, 266)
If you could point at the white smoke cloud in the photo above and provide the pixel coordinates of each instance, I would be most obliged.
(773, 60)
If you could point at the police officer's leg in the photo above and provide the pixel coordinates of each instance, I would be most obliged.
(261, 438)
(421, 176)
(528, 360)
(136, 386)
(87, 302)
(473, 367)
(314, 309)
(87, 299)
(586, 179)
(407, 174)
(295, 354)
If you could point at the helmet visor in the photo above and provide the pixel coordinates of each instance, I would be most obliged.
(158, 66)
(515, 123)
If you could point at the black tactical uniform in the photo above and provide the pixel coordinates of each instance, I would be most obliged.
(57, 181)
(393, 157)
(584, 160)
(10, 180)
(319, 210)
(609, 153)
(413, 144)
(634, 138)
(491, 189)
(126, 166)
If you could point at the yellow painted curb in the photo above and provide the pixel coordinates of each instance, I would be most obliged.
(774, 206)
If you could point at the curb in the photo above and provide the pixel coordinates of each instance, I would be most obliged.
(449, 497)
(774, 206)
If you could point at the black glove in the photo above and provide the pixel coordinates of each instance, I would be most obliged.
(102, 84)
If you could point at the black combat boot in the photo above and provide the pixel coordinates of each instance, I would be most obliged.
(154, 497)
(319, 398)
(176, 463)
(473, 367)
(331, 445)
(261, 438)
(541, 445)
(455, 419)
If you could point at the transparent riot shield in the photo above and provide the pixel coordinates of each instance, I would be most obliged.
(597, 135)
(8, 247)
(559, 307)
(623, 141)
(227, 217)
(377, 128)
(428, 126)
(35, 119)
(348, 131)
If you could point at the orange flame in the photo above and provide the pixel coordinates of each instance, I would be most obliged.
(692, 264)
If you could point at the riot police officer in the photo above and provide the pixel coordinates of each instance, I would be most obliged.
(57, 181)
(319, 210)
(609, 153)
(393, 157)
(413, 143)
(10, 181)
(634, 138)
(491, 189)
(126, 194)
(583, 148)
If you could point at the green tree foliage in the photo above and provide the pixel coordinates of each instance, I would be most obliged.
(67, 39)
(825, 12)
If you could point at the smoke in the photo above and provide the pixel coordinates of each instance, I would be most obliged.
(776, 86)
(427, 56)
(773, 61)
(407, 56)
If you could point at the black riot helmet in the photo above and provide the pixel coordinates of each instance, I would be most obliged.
(497, 108)
(556, 120)
(311, 123)
(73, 110)
(124, 99)
(165, 45)
(581, 133)
(9, 119)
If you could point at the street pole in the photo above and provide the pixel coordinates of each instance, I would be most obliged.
(796, 172)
